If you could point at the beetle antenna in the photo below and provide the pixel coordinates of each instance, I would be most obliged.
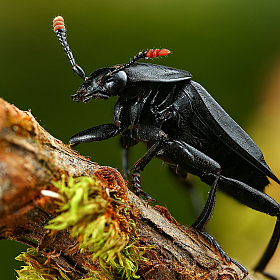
(151, 53)
(60, 31)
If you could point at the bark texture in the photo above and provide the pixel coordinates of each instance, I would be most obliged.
(30, 159)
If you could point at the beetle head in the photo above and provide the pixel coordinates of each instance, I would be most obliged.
(101, 84)
(104, 82)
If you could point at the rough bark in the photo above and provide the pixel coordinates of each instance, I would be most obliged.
(30, 159)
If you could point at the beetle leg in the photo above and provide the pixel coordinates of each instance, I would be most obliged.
(192, 159)
(146, 133)
(213, 242)
(202, 220)
(270, 249)
(121, 117)
(126, 140)
(139, 165)
(125, 163)
(197, 163)
(256, 200)
(97, 133)
(200, 223)
(136, 182)
(261, 202)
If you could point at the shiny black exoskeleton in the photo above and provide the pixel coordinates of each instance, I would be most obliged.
(183, 125)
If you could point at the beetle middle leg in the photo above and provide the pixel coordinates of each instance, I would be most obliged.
(155, 136)
(139, 165)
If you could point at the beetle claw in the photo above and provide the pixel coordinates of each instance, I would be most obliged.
(136, 185)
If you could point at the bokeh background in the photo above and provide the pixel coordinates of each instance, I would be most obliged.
(231, 47)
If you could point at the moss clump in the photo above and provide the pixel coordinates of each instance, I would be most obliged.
(38, 267)
(100, 220)
(42, 268)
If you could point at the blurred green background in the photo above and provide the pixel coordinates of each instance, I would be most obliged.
(231, 47)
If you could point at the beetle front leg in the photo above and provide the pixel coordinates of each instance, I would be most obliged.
(97, 133)
(105, 131)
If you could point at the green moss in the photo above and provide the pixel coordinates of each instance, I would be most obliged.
(100, 223)
(41, 268)
(38, 267)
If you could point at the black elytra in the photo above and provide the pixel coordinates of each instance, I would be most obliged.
(182, 124)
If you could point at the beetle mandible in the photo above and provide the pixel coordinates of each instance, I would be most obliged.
(184, 126)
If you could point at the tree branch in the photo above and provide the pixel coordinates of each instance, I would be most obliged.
(31, 160)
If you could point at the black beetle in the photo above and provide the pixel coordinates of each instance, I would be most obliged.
(183, 125)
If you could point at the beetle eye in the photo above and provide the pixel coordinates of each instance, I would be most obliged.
(116, 83)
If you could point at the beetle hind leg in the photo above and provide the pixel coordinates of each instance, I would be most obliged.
(202, 220)
(256, 200)
(200, 223)
(209, 172)
(269, 250)
(217, 247)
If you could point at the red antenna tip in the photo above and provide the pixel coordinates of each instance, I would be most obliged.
(164, 52)
(157, 52)
(58, 23)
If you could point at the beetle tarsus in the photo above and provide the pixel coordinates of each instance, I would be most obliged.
(136, 184)
(213, 242)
